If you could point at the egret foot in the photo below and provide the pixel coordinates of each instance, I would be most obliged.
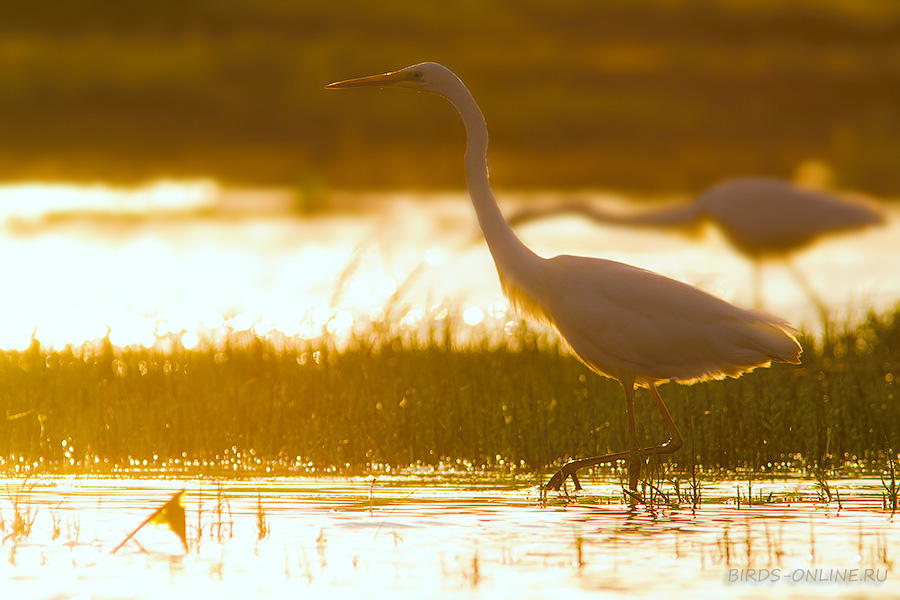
(633, 456)
(568, 470)
(559, 478)
(633, 496)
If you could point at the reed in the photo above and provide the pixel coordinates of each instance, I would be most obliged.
(262, 522)
(24, 513)
(891, 488)
(389, 398)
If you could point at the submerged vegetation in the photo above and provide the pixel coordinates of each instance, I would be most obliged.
(389, 399)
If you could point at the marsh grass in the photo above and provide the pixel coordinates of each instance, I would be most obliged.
(24, 513)
(891, 488)
(390, 398)
(262, 522)
(217, 523)
(222, 526)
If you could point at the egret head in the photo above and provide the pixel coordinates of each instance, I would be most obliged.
(423, 77)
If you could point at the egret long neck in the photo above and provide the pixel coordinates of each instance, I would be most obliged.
(517, 265)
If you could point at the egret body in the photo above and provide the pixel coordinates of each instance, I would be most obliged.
(624, 322)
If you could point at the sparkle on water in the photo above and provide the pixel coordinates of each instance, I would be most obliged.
(445, 535)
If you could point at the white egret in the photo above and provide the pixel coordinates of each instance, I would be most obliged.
(763, 218)
(630, 324)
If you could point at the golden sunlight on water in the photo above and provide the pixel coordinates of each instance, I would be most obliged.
(434, 535)
(185, 262)
(32, 202)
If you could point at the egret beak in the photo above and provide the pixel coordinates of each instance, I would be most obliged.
(402, 78)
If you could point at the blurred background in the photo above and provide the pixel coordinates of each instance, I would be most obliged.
(170, 164)
(644, 95)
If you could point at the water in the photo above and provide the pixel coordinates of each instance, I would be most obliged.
(172, 259)
(448, 536)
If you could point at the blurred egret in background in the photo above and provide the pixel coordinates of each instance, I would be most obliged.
(764, 219)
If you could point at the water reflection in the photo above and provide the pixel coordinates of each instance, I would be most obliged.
(27, 204)
(195, 260)
(438, 536)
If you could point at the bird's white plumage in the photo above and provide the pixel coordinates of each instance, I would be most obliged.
(650, 328)
(624, 322)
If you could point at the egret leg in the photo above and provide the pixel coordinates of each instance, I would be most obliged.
(813, 296)
(675, 440)
(757, 285)
(634, 458)
(674, 443)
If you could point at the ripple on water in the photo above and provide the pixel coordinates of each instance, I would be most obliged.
(405, 536)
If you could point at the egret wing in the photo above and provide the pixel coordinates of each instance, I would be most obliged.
(621, 319)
